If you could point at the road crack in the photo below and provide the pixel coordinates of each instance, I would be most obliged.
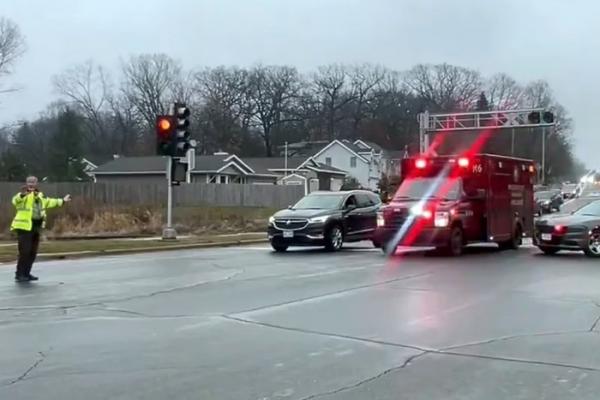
(103, 303)
(333, 293)
(510, 337)
(42, 357)
(320, 333)
(367, 380)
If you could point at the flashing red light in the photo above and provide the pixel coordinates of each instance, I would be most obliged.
(560, 228)
(164, 125)
(463, 162)
(420, 163)
(427, 214)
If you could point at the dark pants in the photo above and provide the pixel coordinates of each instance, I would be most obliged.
(28, 247)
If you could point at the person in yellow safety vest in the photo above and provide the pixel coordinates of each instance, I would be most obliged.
(31, 205)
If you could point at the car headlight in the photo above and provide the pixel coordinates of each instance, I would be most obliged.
(442, 219)
(419, 211)
(271, 220)
(380, 220)
(318, 220)
(546, 202)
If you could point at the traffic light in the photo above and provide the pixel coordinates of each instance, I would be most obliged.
(548, 117)
(182, 132)
(534, 117)
(165, 135)
(537, 117)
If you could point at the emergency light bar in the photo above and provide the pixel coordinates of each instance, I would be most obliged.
(463, 162)
(420, 163)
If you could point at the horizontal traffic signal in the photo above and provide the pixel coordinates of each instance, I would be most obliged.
(548, 117)
(537, 117)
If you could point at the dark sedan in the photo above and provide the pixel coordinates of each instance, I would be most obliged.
(579, 230)
(548, 201)
(325, 219)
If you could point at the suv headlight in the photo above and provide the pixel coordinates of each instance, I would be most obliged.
(271, 220)
(318, 220)
(442, 219)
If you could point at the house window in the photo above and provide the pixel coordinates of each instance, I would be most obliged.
(328, 161)
(217, 179)
(352, 162)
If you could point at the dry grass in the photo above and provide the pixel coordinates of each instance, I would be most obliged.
(80, 218)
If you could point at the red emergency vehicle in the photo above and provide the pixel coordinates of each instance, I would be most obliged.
(450, 201)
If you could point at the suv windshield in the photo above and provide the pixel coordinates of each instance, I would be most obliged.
(589, 209)
(418, 188)
(319, 202)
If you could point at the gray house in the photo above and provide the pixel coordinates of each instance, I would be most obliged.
(223, 168)
(220, 168)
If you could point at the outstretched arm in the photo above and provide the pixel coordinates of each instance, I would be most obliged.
(52, 203)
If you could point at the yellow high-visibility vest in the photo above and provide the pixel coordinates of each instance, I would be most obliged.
(24, 206)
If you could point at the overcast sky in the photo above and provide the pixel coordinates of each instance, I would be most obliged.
(528, 39)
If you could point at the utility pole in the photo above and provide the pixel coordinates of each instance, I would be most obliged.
(512, 142)
(286, 159)
(543, 155)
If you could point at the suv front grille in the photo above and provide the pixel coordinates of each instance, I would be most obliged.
(291, 224)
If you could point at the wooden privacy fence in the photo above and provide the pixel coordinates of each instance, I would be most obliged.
(193, 194)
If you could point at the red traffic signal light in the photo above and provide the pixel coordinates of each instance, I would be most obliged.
(163, 125)
(165, 135)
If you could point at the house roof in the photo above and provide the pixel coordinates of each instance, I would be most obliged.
(351, 147)
(366, 145)
(133, 165)
(215, 163)
(268, 164)
(157, 164)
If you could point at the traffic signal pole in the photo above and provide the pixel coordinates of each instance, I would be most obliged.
(169, 233)
(173, 141)
(543, 155)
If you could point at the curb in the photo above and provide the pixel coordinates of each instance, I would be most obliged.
(134, 250)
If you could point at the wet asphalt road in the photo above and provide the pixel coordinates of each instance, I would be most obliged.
(244, 323)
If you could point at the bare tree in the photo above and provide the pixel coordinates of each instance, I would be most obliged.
(12, 46)
(225, 107)
(87, 87)
(332, 89)
(150, 83)
(126, 125)
(364, 79)
(272, 93)
(538, 94)
(445, 87)
(504, 93)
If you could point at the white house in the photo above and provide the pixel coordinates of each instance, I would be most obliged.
(361, 160)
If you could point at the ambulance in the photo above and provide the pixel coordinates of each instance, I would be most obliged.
(448, 202)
